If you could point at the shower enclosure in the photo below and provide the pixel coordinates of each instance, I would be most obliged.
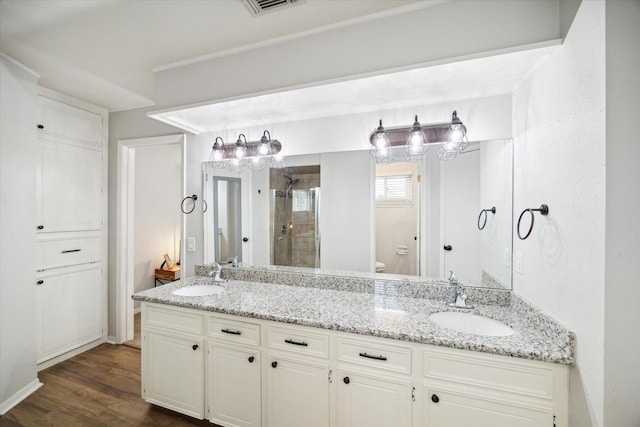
(294, 214)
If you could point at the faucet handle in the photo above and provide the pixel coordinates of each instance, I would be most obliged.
(452, 277)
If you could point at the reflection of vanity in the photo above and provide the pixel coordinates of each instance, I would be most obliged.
(350, 352)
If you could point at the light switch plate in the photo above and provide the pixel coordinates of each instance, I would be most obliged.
(191, 244)
(517, 262)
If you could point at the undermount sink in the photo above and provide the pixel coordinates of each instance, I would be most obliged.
(199, 290)
(471, 324)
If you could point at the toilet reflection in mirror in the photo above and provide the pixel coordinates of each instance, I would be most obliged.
(397, 213)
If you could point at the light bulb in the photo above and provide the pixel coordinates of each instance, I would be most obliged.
(263, 149)
(217, 155)
(239, 152)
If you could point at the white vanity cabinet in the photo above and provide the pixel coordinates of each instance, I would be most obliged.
(466, 388)
(71, 237)
(374, 383)
(265, 373)
(173, 359)
(297, 377)
(234, 372)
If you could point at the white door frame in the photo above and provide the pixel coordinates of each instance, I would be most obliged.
(124, 286)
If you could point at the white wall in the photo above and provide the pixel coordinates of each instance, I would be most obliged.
(158, 193)
(558, 119)
(622, 278)
(426, 35)
(18, 372)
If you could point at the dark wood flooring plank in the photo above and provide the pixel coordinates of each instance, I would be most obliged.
(100, 387)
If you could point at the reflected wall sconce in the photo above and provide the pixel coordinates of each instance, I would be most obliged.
(244, 154)
(450, 137)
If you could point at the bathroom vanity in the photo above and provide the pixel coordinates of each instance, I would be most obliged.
(355, 353)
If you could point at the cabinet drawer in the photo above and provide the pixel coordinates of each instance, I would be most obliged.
(233, 330)
(163, 318)
(382, 356)
(494, 372)
(298, 341)
(60, 250)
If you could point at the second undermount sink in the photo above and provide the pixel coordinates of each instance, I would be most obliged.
(471, 324)
(199, 290)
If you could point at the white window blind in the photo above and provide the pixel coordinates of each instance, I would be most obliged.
(395, 189)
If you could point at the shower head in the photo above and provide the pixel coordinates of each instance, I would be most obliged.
(291, 181)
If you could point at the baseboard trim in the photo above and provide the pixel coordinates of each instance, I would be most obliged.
(19, 396)
(71, 353)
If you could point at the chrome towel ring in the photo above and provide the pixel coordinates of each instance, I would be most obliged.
(544, 211)
(484, 211)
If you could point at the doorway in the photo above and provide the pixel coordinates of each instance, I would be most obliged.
(397, 218)
(125, 225)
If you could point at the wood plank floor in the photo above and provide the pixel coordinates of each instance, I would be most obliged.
(100, 387)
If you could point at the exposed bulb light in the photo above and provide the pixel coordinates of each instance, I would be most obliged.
(381, 149)
(416, 147)
(241, 147)
(263, 148)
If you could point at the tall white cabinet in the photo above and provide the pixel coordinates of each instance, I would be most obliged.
(71, 200)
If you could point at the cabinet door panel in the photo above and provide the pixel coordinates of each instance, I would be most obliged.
(69, 188)
(298, 393)
(454, 409)
(373, 401)
(68, 309)
(234, 386)
(66, 121)
(174, 373)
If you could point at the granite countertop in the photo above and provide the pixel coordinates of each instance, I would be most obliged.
(386, 316)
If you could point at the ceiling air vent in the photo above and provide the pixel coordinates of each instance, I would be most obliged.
(258, 7)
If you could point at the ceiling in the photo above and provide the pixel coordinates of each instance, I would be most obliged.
(104, 51)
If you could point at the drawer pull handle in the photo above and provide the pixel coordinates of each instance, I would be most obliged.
(251, 359)
(302, 343)
(346, 380)
(40, 227)
(70, 250)
(435, 398)
(40, 282)
(229, 331)
(368, 356)
(274, 364)
(194, 347)
(40, 126)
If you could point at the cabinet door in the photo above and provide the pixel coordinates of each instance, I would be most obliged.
(173, 372)
(234, 386)
(454, 409)
(69, 188)
(68, 309)
(297, 392)
(373, 400)
(65, 121)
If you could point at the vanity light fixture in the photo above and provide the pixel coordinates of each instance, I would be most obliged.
(252, 154)
(451, 137)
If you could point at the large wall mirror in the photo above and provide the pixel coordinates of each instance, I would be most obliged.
(402, 220)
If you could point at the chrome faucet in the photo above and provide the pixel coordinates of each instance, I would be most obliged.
(217, 270)
(460, 299)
